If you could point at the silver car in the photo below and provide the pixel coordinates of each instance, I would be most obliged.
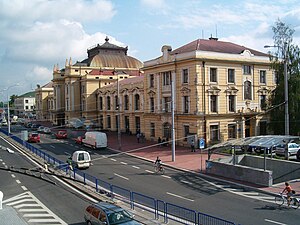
(292, 149)
(109, 214)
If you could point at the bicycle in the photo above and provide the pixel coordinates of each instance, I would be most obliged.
(159, 169)
(283, 199)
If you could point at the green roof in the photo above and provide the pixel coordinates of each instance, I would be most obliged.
(28, 95)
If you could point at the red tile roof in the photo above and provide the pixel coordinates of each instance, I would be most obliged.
(213, 45)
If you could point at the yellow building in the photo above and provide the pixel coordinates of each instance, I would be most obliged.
(220, 93)
(42, 108)
(75, 86)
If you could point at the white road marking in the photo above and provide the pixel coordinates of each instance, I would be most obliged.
(19, 182)
(121, 176)
(13, 176)
(178, 196)
(52, 146)
(37, 215)
(136, 167)
(3, 163)
(166, 176)
(124, 163)
(1, 160)
(24, 188)
(113, 160)
(149, 171)
(42, 220)
(32, 210)
(272, 221)
(186, 182)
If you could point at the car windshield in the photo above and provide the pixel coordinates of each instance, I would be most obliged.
(35, 135)
(119, 217)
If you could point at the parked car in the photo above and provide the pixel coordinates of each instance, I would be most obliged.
(34, 137)
(35, 126)
(109, 214)
(61, 134)
(40, 129)
(292, 149)
(47, 130)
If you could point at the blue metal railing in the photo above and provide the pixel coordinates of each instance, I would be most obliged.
(159, 208)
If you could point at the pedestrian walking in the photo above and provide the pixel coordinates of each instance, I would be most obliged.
(138, 136)
(192, 146)
(159, 141)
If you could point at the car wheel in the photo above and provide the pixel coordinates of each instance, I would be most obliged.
(88, 223)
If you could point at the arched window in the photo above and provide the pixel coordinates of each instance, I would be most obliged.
(108, 103)
(247, 90)
(136, 102)
(126, 102)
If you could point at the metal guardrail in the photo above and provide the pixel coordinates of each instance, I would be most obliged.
(159, 208)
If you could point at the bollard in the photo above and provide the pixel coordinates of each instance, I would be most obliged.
(1, 197)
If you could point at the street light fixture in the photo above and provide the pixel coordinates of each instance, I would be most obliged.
(8, 114)
(286, 95)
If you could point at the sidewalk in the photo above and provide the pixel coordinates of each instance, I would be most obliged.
(185, 159)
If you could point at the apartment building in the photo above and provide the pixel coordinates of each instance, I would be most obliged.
(24, 105)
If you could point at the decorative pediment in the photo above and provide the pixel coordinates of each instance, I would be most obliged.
(151, 93)
(125, 90)
(185, 91)
(214, 90)
(231, 90)
(263, 90)
(135, 89)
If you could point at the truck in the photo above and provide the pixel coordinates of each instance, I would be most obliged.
(93, 139)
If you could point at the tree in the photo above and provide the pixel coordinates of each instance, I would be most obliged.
(283, 37)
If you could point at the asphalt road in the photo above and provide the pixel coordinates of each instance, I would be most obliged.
(181, 188)
(58, 202)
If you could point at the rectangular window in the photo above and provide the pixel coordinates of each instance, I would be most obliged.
(126, 102)
(213, 103)
(263, 102)
(214, 132)
(186, 130)
(108, 121)
(246, 69)
(151, 80)
(231, 131)
(186, 105)
(231, 103)
(26, 107)
(213, 75)
(262, 76)
(185, 76)
(26, 101)
(166, 78)
(231, 76)
(263, 127)
(116, 102)
(152, 104)
(167, 104)
(152, 129)
(117, 124)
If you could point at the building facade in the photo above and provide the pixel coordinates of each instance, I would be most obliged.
(42, 94)
(76, 86)
(24, 105)
(221, 91)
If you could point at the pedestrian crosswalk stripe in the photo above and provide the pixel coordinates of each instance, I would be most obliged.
(33, 210)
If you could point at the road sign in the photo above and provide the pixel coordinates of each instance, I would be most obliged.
(202, 143)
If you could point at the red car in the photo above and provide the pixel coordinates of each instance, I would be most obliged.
(34, 137)
(61, 134)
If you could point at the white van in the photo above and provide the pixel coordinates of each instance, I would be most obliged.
(80, 159)
(95, 139)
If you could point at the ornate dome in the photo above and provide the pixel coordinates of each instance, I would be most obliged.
(112, 56)
(115, 61)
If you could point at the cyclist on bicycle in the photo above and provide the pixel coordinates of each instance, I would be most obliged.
(288, 191)
(158, 163)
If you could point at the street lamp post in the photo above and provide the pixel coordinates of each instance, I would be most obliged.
(286, 92)
(8, 113)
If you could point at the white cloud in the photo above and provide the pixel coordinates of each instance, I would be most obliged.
(79, 10)
(155, 6)
(39, 74)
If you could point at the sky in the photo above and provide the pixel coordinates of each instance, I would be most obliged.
(37, 34)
